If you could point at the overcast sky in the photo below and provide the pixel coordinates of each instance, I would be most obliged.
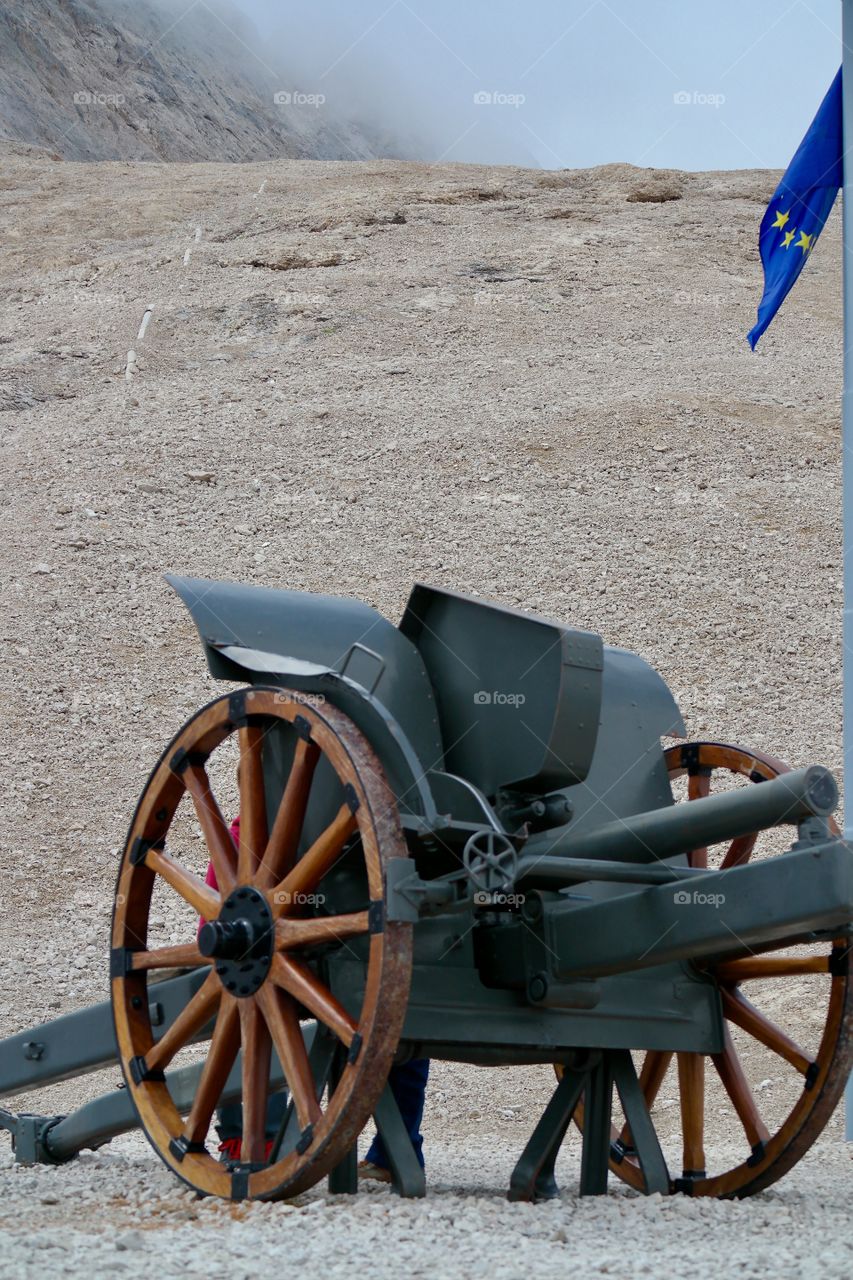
(573, 82)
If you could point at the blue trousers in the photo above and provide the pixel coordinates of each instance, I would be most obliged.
(408, 1085)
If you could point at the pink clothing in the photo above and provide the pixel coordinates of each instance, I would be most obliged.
(234, 829)
(210, 878)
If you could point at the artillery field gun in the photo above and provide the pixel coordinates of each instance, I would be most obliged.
(459, 839)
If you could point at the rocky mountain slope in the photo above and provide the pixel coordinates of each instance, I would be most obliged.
(152, 80)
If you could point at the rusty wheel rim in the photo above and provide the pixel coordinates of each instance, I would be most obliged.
(254, 1000)
(767, 1156)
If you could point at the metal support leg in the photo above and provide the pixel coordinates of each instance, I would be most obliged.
(534, 1172)
(343, 1179)
(407, 1176)
(545, 1186)
(643, 1134)
(597, 1112)
(321, 1051)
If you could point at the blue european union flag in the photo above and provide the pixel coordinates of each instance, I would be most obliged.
(800, 206)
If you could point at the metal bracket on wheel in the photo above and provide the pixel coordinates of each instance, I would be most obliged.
(408, 897)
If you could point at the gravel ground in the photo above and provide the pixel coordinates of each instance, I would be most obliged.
(107, 1215)
(530, 386)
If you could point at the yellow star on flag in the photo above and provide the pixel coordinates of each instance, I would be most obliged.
(781, 219)
(805, 242)
(787, 238)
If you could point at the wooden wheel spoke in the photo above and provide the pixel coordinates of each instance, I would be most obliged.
(283, 843)
(298, 980)
(734, 971)
(293, 933)
(253, 815)
(691, 1087)
(220, 846)
(187, 956)
(743, 1014)
(653, 1072)
(315, 862)
(698, 786)
(256, 1046)
(736, 1085)
(739, 851)
(280, 1014)
(192, 889)
(224, 1044)
(195, 1013)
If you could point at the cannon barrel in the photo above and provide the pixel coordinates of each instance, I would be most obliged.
(772, 902)
(663, 833)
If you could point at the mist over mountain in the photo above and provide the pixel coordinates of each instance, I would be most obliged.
(156, 80)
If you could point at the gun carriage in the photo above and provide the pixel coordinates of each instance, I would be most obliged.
(460, 838)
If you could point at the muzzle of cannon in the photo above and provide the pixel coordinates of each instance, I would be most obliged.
(479, 836)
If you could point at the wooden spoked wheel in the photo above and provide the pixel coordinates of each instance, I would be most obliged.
(757, 1051)
(263, 943)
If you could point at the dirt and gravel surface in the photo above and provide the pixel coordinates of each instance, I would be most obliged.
(530, 386)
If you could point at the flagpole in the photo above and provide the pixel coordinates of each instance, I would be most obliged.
(847, 452)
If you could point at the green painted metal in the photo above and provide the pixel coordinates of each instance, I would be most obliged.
(587, 937)
(452, 1015)
(796, 897)
(591, 1076)
(533, 1176)
(467, 704)
(492, 667)
(82, 1042)
(328, 648)
(647, 837)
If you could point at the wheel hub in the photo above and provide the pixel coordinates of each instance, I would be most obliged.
(241, 941)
